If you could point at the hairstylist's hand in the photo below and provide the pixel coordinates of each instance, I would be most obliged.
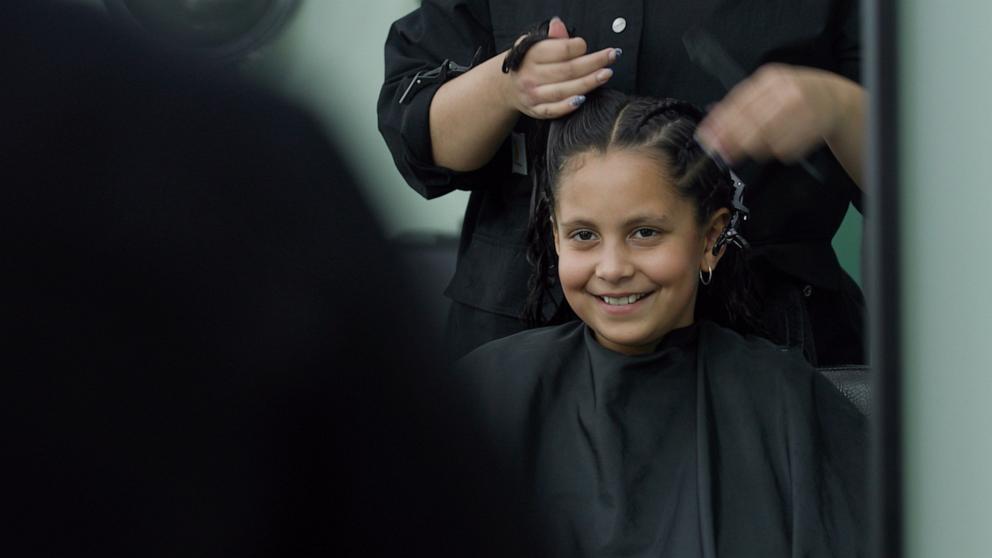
(784, 112)
(556, 74)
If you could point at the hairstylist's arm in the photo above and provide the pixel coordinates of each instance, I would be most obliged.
(471, 115)
(784, 112)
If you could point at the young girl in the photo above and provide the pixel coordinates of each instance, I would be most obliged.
(644, 428)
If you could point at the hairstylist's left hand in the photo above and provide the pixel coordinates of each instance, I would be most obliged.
(784, 112)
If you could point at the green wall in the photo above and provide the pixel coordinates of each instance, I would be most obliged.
(847, 243)
(331, 59)
(945, 85)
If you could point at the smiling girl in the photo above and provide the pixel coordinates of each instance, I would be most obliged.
(644, 428)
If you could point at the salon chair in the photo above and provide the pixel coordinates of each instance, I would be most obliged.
(854, 381)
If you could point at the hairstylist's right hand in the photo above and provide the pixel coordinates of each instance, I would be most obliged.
(556, 73)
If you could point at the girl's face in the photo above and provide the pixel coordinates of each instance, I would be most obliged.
(629, 248)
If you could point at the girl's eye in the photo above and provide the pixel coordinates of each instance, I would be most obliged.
(583, 235)
(645, 233)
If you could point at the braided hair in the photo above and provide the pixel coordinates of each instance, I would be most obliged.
(661, 128)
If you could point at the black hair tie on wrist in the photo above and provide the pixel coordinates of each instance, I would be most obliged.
(515, 57)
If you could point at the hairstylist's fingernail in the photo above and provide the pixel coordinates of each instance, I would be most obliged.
(704, 137)
(578, 100)
(718, 152)
(707, 133)
(604, 74)
(617, 52)
(556, 18)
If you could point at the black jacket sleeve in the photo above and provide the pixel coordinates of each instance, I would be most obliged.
(438, 31)
(847, 45)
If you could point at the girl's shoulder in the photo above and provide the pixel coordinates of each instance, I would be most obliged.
(528, 349)
(501, 379)
(723, 337)
(751, 358)
(746, 364)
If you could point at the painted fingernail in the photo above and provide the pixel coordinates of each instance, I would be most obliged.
(704, 137)
(700, 137)
(617, 52)
(604, 74)
(578, 100)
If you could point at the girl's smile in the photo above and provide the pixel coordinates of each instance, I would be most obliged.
(621, 304)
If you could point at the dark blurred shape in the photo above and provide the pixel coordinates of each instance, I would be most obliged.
(434, 257)
(208, 348)
(222, 30)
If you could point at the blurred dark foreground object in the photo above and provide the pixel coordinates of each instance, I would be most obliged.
(218, 30)
(208, 349)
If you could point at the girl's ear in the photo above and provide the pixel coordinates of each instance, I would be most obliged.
(711, 232)
(554, 232)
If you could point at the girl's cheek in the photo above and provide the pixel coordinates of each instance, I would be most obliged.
(571, 271)
(671, 264)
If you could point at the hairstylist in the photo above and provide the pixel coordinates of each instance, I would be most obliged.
(470, 133)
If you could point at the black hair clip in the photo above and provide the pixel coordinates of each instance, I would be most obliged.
(441, 74)
(732, 232)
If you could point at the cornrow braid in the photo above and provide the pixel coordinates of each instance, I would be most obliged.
(671, 108)
(540, 255)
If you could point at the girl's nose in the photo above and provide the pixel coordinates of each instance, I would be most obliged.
(614, 265)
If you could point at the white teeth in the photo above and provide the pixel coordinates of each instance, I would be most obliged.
(622, 300)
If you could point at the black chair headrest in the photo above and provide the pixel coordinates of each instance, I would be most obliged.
(854, 382)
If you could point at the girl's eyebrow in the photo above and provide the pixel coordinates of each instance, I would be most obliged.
(648, 219)
(642, 219)
(574, 223)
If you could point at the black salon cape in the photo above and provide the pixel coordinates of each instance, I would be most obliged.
(714, 445)
(793, 217)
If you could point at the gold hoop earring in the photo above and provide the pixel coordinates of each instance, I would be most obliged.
(709, 276)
